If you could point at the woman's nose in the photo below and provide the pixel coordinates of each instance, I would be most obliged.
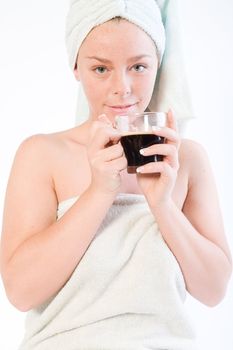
(121, 84)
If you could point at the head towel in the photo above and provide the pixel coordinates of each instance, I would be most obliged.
(171, 88)
(84, 15)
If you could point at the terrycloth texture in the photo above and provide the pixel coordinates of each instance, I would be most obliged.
(126, 293)
(84, 15)
(172, 87)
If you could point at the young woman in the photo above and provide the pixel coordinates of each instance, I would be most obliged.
(100, 257)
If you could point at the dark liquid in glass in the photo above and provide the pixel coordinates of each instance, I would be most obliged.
(132, 143)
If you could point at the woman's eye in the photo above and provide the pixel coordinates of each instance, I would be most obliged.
(100, 70)
(139, 67)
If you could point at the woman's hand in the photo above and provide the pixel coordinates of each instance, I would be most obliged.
(105, 155)
(157, 179)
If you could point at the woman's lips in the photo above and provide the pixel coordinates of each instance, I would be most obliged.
(122, 108)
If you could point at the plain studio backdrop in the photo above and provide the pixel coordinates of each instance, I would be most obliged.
(38, 95)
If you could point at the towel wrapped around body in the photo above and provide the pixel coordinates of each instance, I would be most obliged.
(126, 293)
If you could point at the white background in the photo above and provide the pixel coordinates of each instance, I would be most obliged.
(38, 95)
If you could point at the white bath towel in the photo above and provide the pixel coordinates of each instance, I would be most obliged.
(127, 292)
(172, 85)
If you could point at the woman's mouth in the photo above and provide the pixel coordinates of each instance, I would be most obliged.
(122, 108)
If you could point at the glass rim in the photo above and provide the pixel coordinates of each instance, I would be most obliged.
(138, 114)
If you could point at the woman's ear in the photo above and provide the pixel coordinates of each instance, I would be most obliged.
(76, 72)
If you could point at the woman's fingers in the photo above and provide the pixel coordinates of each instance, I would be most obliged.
(119, 164)
(103, 135)
(156, 167)
(167, 150)
(170, 131)
(111, 167)
(171, 136)
(105, 155)
(171, 121)
(111, 153)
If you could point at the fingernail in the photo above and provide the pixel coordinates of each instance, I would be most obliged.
(140, 169)
(142, 152)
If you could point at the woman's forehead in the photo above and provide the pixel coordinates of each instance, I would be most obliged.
(114, 36)
(114, 28)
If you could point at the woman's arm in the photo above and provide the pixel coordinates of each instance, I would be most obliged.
(195, 235)
(38, 253)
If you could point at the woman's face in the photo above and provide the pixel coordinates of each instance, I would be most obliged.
(117, 66)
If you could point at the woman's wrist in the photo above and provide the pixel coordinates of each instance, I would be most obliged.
(101, 194)
(161, 207)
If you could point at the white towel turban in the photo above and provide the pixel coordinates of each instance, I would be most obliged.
(171, 87)
(84, 15)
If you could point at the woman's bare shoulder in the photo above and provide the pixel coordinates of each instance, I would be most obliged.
(48, 139)
(192, 154)
(195, 159)
(190, 148)
(44, 144)
(39, 155)
(197, 162)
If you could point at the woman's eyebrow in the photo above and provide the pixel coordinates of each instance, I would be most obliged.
(105, 60)
(139, 57)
